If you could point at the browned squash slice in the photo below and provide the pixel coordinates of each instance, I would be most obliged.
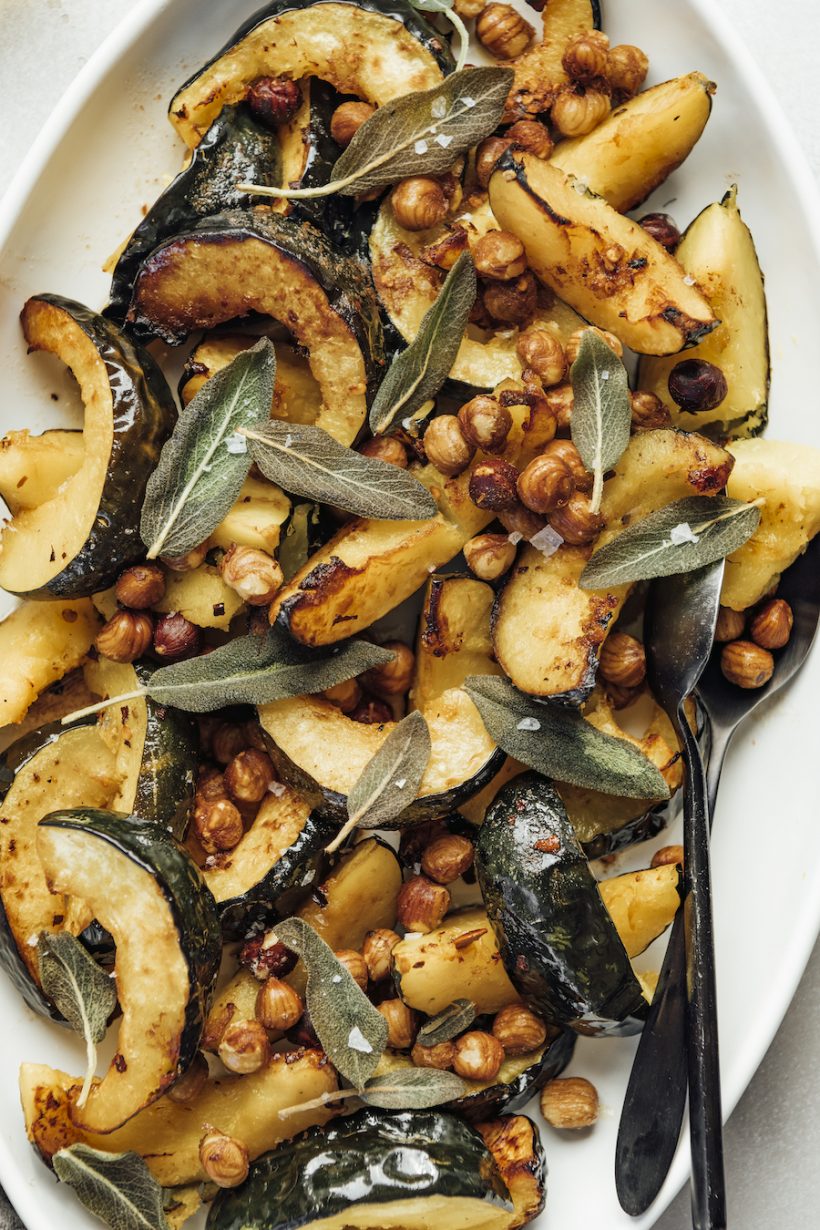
(40, 642)
(515, 1145)
(297, 397)
(454, 637)
(256, 519)
(432, 971)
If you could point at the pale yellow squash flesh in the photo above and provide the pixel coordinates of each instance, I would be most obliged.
(40, 642)
(539, 73)
(431, 971)
(201, 596)
(33, 468)
(276, 826)
(642, 904)
(454, 637)
(256, 519)
(297, 397)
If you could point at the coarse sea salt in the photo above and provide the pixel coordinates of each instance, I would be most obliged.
(421, 146)
(444, 140)
(277, 789)
(528, 724)
(400, 783)
(439, 108)
(514, 538)
(605, 374)
(358, 1042)
(236, 444)
(288, 440)
(688, 280)
(467, 102)
(547, 541)
(679, 534)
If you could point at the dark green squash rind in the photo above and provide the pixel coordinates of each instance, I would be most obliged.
(506, 1098)
(166, 784)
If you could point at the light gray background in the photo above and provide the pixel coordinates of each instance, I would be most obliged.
(773, 1138)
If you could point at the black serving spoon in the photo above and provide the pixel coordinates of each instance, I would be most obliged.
(656, 1095)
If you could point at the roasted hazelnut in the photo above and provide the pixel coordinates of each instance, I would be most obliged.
(514, 302)
(575, 339)
(489, 556)
(303, 1034)
(623, 660)
(419, 203)
(278, 1006)
(266, 957)
(140, 586)
(545, 484)
(569, 1102)
(355, 965)
(560, 401)
(493, 484)
(696, 385)
(541, 351)
(503, 31)
(500, 256)
(468, 9)
(210, 785)
(730, 625)
(224, 1159)
(445, 251)
(485, 423)
(401, 1024)
(371, 712)
(771, 625)
(189, 561)
(175, 637)
(447, 858)
(576, 112)
(576, 522)
(126, 636)
(387, 449)
(248, 776)
(347, 119)
(626, 69)
(531, 136)
(187, 1088)
(487, 155)
(346, 696)
(227, 741)
(218, 825)
(440, 1056)
(251, 573)
(274, 100)
(521, 522)
(667, 856)
(746, 665)
(663, 229)
(585, 56)
(649, 412)
(478, 1056)
(568, 453)
(244, 1047)
(446, 447)
(395, 676)
(518, 1029)
(620, 697)
(376, 950)
(421, 904)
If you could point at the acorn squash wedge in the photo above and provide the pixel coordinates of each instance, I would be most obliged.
(407, 1169)
(454, 637)
(33, 468)
(539, 73)
(249, 260)
(321, 38)
(515, 1144)
(80, 539)
(145, 890)
(39, 644)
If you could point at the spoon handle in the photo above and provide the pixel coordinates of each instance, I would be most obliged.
(705, 1119)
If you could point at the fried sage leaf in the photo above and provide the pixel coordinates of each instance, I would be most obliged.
(418, 134)
(447, 1024)
(352, 1032)
(82, 992)
(118, 1188)
(412, 1089)
(204, 464)
(601, 409)
(559, 743)
(681, 537)
(306, 461)
(390, 779)
(418, 372)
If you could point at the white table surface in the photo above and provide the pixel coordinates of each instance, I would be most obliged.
(773, 1137)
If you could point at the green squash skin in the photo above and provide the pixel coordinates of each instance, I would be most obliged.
(144, 415)
(236, 148)
(166, 784)
(557, 941)
(371, 1157)
(192, 905)
(507, 1098)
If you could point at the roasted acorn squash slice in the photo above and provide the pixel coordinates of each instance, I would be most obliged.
(79, 541)
(515, 1144)
(145, 890)
(33, 468)
(321, 38)
(454, 637)
(297, 397)
(39, 644)
(539, 73)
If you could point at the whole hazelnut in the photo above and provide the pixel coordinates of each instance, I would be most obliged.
(478, 1056)
(175, 638)
(696, 385)
(345, 696)
(401, 1024)
(620, 697)
(623, 660)
(500, 256)
(489, 556)
(545, 484)
(576, 112)
(224, 1159)
(248, 776)
(585, 56)
(228, 740)
(487, 156)
(531, 136)
(771, 625)
(730, 625)
(493, 484)
(371, 711)
(347, 119)
(445, 251)
(187, 1088)
(376, 950)
(746, 665)
(649, 412)
(663, 229)
(569, 1102)
(244, 1047)
(355, 965)
(560, 401)
(518, 1029)
(274, 100)
(566, 451)
(189, 561)
(419, 203)
(440, 1056)
(278, 1006)
(514, 302)
(218, 825)
(387, 449)
(446, 447)
(576, 522)
(421, 904)
(668, 856)
(447, 858)
(251, 573)
(140, 586)
(468, 9)
(626, 69)
(485, 423)
(503, 31)
(575, 339)
(541, 351)
(393, 677)
(126, 636)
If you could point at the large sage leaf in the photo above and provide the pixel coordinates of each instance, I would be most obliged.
(601, 409)
(681, 537)
(306, 461)
(447, 1024)
(202, 467)
(82, 992)
(352, 1032)
(418, 134)
(419, 371)
(559, 743)
(412, 1089)
(118, 1188)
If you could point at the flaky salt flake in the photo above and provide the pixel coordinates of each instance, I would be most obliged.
(288, 440)
(443, 139)
(439, 108)
(236, 444)
(688, 280)
(421, 146)
(277, 789)
(32, 940)
(679, 534)
(605, 374)
(547, 541)
(337, 978)
(528, 724)
(514, 538)
(358, 1042)
(581, 185)
(400, 783)
(467, 102)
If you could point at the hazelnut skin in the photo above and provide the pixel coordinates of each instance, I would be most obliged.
(251, 573)
(440, 1056)
(401, 1024)
(371, 711)
(531, 136)
(696, 385)
(576, 522)
(278, 1006)
(575, 114)
(730, 625)
(493, 484)
(387, 449)
(649, 412)
(626, 69)
(175, 638)
(347, 119)
(746, 665)
(503, 31)
(244, 1047)
(663, 228)
(447, 858)
(218, 825)
(446, 447)
(355, 965)
(771, 625)
(489, 556)
(248, 776)
(224, 1159)
(419, 203)
(514, 302)
(545, 484)
(485, 423)
(395, 676)
(574, 342)
(478, 1056)
(585, 56)
(569, 1102)
(376, 950)
(140, 586)
(421, 904)
(542, 352)
(126, 636)
(189, 1086)
(274, 100)
(487, 155)
(345, 696)
(568, 453)
(623, 660)
(518, 1029)
(500, 256)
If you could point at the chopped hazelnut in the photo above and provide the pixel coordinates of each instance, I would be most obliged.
(440, 1056)
(347, 119)
(278, 1006)
(730, 625)
(478, 1056)
(218, 825)
(503, 31)
(623, 660)
(575, 112)
(393, 678)
(140, 586)
(126, 636)
(500, 256)
(274, 100)
(649, 412)
(175, 638)
(387, 449)
(401, 1024)
(493, 484)
(419, 203)
(421, 904)
(574, 342)
(745, 664)
(771, 625)
(187, 1088)
(518, 1029)
(355, 965)
(576, 522)
(447, 858)
(569, 1102)
(251, 573)
(446, 447)
(224, 1159)
(540, 350)
(545, 484)
(585, 56)
(626, 69)
(485, 423)
(489, 556)
(248, 776)
(376, 950)
(513, 302)
(667, 856)
(244, 1047)
(568, 453)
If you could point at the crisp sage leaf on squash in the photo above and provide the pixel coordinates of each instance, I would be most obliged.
(418, 372)
(601, 409)
(83, 993)
(390, 779)
(418, 134)
(681, 537)
(445, 7)
(118, 1188)
(412, 1089)
(559, 743)
(306, 461)
(203, 465)
(352, 1032)
(447, 1024)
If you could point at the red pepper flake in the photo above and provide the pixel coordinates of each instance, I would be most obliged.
(548, 845)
